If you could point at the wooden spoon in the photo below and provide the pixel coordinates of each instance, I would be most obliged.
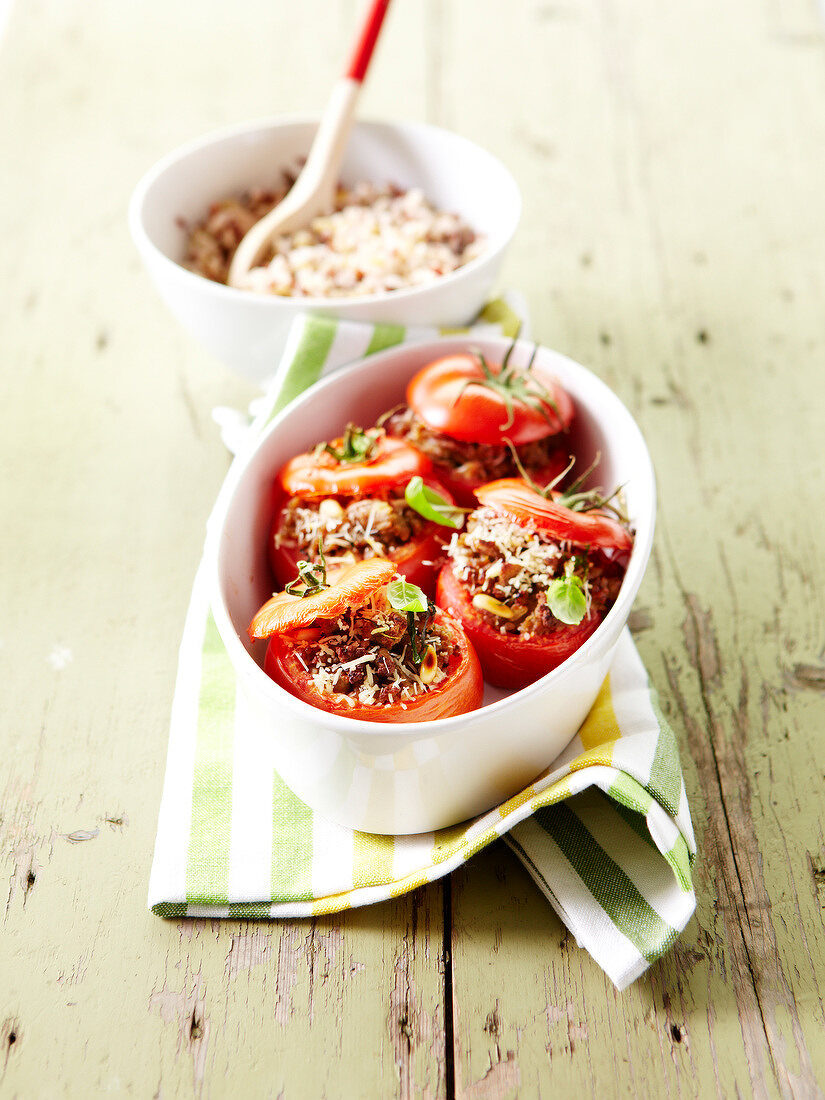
(313, 192)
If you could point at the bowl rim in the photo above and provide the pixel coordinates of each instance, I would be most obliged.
(353, 727)
(146, 245)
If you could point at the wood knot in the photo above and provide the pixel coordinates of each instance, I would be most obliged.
(31, 878)
(9, 1033)
(405, 1028)
(675, 1033)
(818, 876)
(492, 1025)
(639, 620)
(808, 676)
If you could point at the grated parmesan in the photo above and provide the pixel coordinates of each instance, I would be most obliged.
(386, 666)
(492, 542)
(368, 527)
(514, 565)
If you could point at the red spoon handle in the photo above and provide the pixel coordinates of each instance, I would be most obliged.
(357, 68)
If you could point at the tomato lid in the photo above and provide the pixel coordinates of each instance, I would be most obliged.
(389, 462)
(352, 587)
(514, 498)
(473, 401)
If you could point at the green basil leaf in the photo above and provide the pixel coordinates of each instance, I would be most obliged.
(566, 599)
(431, 505)
(404, 596)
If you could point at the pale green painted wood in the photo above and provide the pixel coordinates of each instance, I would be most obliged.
(675, 168)
(671, 159)
(110, 465)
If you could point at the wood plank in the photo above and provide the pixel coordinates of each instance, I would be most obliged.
(111, 463)
(672, 162)
(674, 182)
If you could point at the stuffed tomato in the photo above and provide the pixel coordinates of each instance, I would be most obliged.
(368, 645)
(531, 577)
(469, 416)
(346, 501)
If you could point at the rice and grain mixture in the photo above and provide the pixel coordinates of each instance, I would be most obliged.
(376, 240)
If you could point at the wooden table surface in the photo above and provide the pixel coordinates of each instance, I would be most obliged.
(672, 160)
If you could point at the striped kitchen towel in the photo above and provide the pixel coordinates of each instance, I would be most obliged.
(605, 832)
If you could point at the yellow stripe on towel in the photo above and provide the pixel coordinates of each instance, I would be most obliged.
(601, 727)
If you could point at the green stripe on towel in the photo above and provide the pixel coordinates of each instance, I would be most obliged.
(665, 783)
(385, 336)
(291, 845)
(310, 356)
(607, 882)
(207, 870)
(498, 312)
(680, 859)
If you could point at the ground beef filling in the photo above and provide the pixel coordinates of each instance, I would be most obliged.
(477, 462)
(513, 565)
(364, 528)
(367, 656)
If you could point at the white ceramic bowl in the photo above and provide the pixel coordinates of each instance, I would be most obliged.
(245, 330)
(414, 777)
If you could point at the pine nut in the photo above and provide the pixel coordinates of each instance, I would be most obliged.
(483, 602)
(330, 511)
(429, 666)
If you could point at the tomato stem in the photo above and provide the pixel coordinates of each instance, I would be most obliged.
(512, 384)
(548, 488)
(357, 445)
(574, 498)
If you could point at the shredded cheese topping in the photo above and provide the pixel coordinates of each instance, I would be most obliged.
(503, 558)
(384, 670)
(365, 528)
(515, 564)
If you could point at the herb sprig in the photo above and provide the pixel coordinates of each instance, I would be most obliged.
(403, 596)
(514, 384)
(311, 575)
(357, 445)
(567, 600)
(574, 497)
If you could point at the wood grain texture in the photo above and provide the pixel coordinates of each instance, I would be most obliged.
(683, 215)
(672, 161)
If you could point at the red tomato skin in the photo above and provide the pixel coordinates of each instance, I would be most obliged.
(462, 691)
(477, 414)
(514, 498)
(507, 660)
(394, 463)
